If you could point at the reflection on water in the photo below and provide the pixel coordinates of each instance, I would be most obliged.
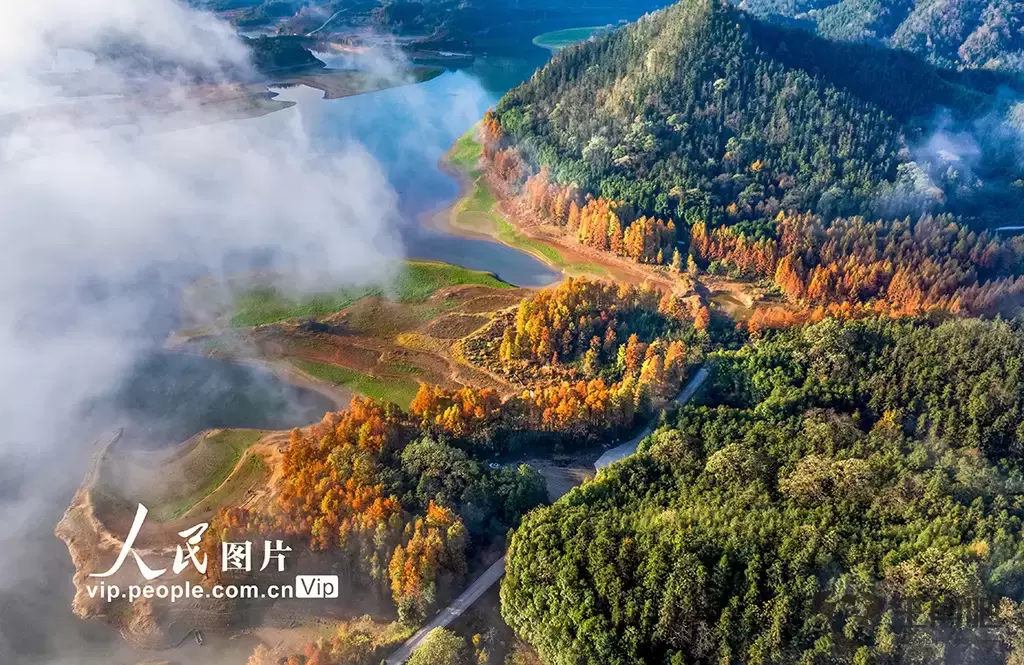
(508, 264)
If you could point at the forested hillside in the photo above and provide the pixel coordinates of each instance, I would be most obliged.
(454, 20)
(983, 33)
(700, 112)
(852, 497)
(850, 175)
(593, 360)
(398, 510)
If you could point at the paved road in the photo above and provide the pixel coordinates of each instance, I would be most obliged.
(450, 613)
(625, 450)
(494, 573)
(326, 23)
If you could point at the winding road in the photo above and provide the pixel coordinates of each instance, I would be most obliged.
(450, 613)
(626, 449)
(490, 576)
(333, 16)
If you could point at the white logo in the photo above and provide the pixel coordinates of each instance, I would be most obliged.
(234, 556)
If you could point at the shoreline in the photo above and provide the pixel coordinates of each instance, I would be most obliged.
(441, 218)
(540, 42)
(613, 268)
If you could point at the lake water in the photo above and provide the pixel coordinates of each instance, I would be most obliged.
(171, 396)
(407, 130)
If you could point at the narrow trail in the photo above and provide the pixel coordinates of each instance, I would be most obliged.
(490, 576)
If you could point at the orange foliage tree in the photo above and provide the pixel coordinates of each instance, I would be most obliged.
(899, 267)
(596, 222)
(433, 555)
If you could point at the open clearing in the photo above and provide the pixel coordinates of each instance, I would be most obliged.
(171, 486)
(401, 391)
(373, 346)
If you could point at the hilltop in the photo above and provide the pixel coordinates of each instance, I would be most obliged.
(701, 107)
(848, 179)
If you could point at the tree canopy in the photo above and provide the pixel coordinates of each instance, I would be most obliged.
(853, 497)
(701, 112)
(952, 34)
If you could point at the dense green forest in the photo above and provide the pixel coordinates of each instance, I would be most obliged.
(984, 33)
(702, 113)
(853, 496)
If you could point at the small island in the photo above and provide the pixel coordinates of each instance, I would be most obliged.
(558, 39)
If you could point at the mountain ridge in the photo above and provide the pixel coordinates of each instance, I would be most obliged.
(701, 105)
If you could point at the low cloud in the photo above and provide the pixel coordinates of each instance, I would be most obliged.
(107, 209)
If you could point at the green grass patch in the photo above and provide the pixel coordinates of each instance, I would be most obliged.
(465, 154)
(201, 471)
(252, 473)
(416, 281)
(420, 278)
(398, 390)
(585, 269)
(476, 212)
(508, 235)
(479, 200)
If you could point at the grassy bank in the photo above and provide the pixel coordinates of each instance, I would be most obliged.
(203, 470)
(401, 391)
(476, 213)
(415, 282)
(465, 154)
(233, 492)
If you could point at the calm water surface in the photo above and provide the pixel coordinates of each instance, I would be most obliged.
(407, 130)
